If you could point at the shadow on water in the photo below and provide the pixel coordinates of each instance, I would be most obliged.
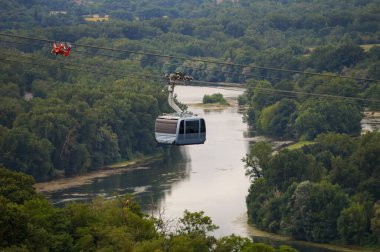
(149, 185)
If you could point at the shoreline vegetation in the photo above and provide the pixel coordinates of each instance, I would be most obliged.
(254, 232)
(78, 180)
(230, 103)
(261, 234)
(69, 182)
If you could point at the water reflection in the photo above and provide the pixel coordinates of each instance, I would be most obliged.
(208, 177)
(149, 185)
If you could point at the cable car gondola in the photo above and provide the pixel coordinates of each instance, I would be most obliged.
(182, 127)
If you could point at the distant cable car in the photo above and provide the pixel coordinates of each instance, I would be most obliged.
(180, 128)
(61, 49)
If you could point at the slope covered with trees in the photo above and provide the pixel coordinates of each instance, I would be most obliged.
(327, 191)
(98, 106)
(74, 128)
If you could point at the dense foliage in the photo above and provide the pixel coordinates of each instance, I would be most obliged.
(298, 35)
(323, 192)
(76, 114)
(30, 223)
(77, 128)
(300, 116)
(315, 36)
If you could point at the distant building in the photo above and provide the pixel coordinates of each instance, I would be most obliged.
(78, 2)
(96, 17)
(221, 1)
(28, 96)
(56, 13)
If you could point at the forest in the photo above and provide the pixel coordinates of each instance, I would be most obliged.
(63, 116)
(322, 192)
(29, 222)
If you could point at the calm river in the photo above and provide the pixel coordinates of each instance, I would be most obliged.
(207, 177)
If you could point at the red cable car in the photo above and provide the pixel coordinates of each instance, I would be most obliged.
(61, 49)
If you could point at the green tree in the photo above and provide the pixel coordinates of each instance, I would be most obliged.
(10, 108)
(292, 166)
(338, 144)
(47, 226)
(196, 223)
(214, 98)
(261, 98)
(352, 224)
(257, 159)
(16, 187)
(258, 193)
(367, 158)
(318, 116)
(25, 152)
(233, 243)
(235, 29)
(189, 243)
(13, 228)
(335, 58)
(344, 174)
(375, 221)
(278, 119)
(314, 211)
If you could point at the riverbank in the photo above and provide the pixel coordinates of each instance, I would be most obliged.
(260, 234)
(370, 121)
(88, 178)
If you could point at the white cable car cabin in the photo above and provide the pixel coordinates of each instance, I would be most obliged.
(180, 129)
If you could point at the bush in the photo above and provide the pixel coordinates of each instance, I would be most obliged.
(215, 98)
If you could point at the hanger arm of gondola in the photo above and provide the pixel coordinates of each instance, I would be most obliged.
(174, 79)
(182, 127)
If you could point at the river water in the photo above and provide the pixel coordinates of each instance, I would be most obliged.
(208, 177)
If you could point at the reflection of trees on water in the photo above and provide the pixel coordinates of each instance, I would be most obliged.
(163, 175)
(213, 111)
(149, 185)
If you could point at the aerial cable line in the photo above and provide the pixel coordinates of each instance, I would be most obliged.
(209, 83)
(77, 51)
(194, 81)
(310, 94)
(133, 76)
(320, 95)
(107, 69)
(69, 63)
(209, 70)
(145, 77)
(185, 67)
(116, 72)
(196, 59)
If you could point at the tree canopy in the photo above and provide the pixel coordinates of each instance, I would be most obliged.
(321, 192)
(30, 222)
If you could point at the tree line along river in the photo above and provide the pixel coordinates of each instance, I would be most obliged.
(209, 177)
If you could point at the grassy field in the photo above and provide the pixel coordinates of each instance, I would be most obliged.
(366, 48)
(299, 145)
(369, 46)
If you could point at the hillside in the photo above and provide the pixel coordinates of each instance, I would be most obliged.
(311, 68)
